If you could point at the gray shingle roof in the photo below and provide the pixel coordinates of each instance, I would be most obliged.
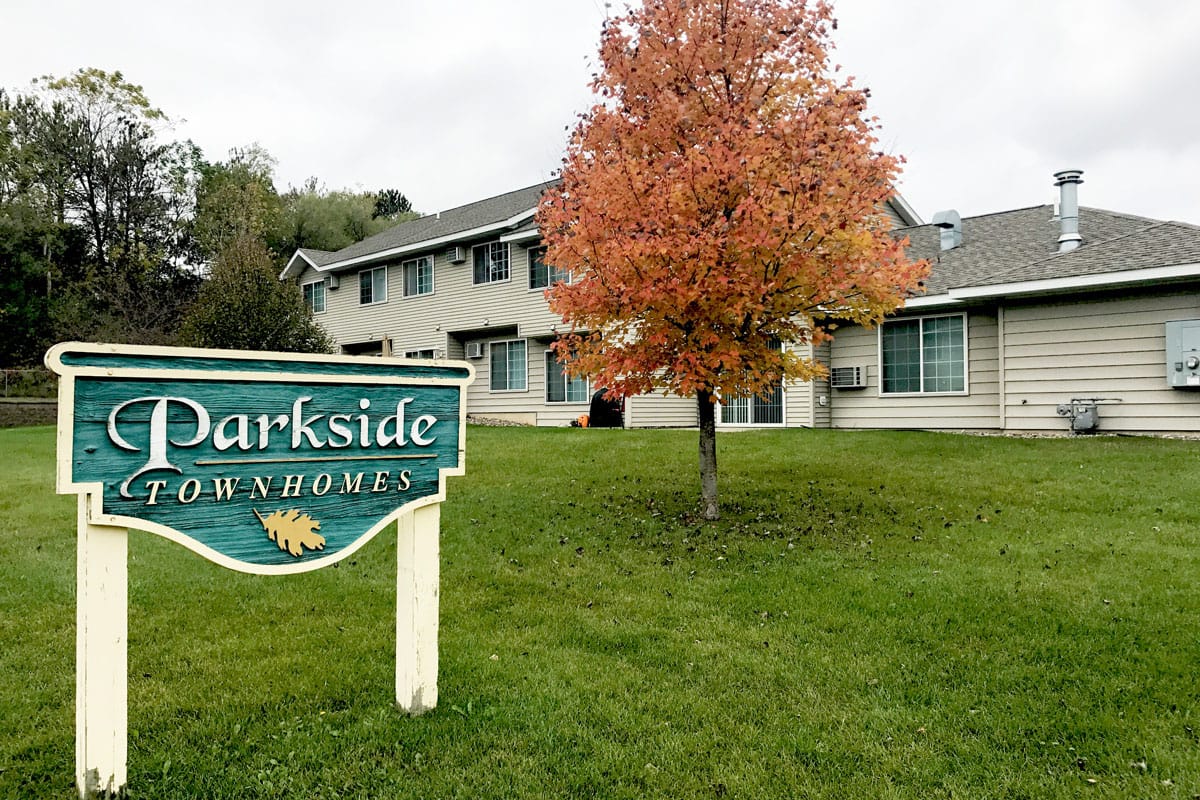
(446, 223)
(1161, 244)
(1005, 247)
(318, 257)
(1022, 245)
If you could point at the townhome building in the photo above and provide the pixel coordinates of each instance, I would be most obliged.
(1047, 318)
(469, 283)
(1052, 318)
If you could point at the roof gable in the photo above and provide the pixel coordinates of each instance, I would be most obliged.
(473, 219)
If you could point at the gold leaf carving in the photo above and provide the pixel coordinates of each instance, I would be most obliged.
(292, 531)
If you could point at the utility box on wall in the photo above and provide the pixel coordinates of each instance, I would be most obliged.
(1183, 353)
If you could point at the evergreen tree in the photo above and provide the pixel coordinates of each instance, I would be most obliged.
(244, 306)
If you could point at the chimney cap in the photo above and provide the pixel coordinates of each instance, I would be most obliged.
(950, 223)
(1068, 176)
(947, 219)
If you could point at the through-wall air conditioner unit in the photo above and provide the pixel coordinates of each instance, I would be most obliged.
(334, 281)
(456, 254)
(474, 349)
(847, 378)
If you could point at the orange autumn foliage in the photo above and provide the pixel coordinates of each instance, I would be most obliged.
(725, 192)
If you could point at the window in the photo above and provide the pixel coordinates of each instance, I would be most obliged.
(508, 366)
(372, 286)
(561, 387)
(426, 353)
(418, 276)
(763, 409)
(491, 262)
(314, 296)
(924, 355)
(541, 274)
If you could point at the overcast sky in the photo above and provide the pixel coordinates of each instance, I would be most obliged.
(459, 100)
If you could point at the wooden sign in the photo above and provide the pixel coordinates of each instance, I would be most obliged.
(265, 463)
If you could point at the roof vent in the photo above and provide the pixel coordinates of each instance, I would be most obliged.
(951, 228)
(1068, 181)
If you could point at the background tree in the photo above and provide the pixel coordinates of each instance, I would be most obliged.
(391, 204)
(236, 199)
(317, 218)
(243, 305)
(246, 231)
(30, 247)
(97, 144)
(723, 196)
(107, 228)
(83, 152)
(10, 178)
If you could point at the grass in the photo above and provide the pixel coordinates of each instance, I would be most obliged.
(877, 615)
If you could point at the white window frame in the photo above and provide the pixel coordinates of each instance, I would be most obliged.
(783, 408)
(324, 296)
(587, 384)
(404, 277)
(507, 259)
(529, 271)
(374, 300)
(966, 390)
(420, 353)
(491, 374)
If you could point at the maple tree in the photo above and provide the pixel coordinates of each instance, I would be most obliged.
(722, 196)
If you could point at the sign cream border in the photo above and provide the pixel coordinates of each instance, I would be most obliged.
(94, 491)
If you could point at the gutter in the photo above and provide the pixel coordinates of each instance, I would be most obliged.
(1050, 285)
(1109, 280)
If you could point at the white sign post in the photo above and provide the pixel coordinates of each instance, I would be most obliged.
(101, 656)
(417, 581)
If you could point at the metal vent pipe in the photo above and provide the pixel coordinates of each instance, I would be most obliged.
(1068, 181)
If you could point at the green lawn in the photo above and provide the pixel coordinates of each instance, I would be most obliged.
(877, 615)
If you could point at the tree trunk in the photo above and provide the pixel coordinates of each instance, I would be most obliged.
(708, 454)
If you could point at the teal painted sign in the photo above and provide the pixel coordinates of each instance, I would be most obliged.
(262, 462)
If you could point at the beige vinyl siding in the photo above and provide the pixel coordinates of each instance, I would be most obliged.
(526, 405)
(455, 306)
(799, 396)
(798, 404)
(1112, 347)
(866, 408)
(893, 217)
(661, 411)
(457, 312)
(821, 418)
(673, 411)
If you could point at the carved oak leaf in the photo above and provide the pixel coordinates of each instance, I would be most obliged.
(292, 531)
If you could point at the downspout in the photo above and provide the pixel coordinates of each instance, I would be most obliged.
(1002, 378)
